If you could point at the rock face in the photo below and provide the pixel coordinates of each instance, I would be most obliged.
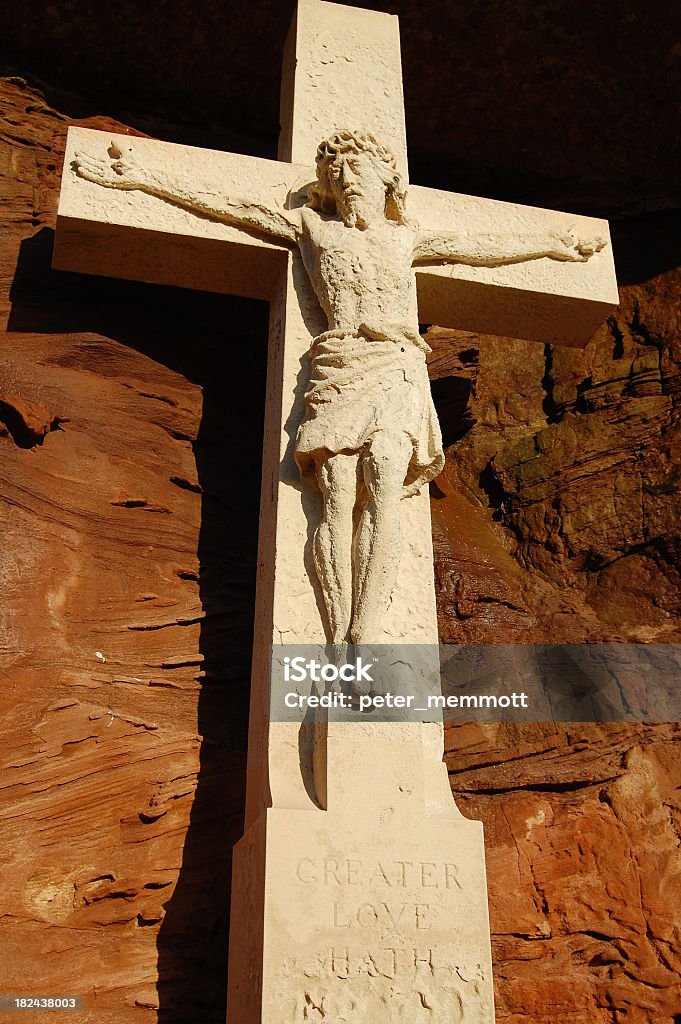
(581, 824)
(575, 455)
(129, 521)
(129, 490)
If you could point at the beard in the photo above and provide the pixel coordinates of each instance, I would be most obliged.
(353, 217)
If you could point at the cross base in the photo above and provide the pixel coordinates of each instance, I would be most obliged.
(360, 921)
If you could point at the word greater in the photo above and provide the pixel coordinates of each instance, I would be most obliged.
(403, 874)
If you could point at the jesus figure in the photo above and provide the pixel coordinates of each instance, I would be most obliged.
(370, 435)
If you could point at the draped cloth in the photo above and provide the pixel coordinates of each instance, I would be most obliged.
(361, 384)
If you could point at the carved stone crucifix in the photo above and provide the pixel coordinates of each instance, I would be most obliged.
(370, 436)
(346, 260)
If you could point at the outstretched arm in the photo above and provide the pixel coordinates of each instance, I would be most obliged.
(492, 250)
(121, 169)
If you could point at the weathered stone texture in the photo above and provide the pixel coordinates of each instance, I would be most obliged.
(128, 497)
(582, 833)
(575, 455)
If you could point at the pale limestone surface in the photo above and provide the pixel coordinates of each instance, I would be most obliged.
(374, 924)
(338, 794)
(543, 300)
(130, 234)
(342, 67)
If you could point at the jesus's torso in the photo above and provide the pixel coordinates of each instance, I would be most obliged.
(361, 276)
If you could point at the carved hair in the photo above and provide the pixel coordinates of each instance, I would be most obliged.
(320, 195)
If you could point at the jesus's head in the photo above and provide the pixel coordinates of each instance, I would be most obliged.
(357, 178)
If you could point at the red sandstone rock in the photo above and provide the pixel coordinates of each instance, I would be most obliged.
(127, 585)
(27, 422)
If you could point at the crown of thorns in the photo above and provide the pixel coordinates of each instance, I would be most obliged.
(346, 141)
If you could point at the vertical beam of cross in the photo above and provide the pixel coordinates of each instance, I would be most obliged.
(341, 69)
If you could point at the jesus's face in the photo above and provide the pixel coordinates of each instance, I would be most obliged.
(358, 189)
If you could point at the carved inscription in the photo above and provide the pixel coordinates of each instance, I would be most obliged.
(389, 963)
(385, 962)
(372, 915)
(380, 877)
(393, 985)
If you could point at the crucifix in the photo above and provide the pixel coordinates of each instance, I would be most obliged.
(359, 889)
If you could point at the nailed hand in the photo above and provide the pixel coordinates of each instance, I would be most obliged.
(120, 169)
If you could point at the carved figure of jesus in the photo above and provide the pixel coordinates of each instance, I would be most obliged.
(370, 436)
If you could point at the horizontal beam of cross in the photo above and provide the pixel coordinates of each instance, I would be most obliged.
(128, 234)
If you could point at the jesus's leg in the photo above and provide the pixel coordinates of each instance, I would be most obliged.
(337, 478)
(377, 541)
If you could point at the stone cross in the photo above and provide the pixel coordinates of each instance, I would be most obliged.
(359, 890)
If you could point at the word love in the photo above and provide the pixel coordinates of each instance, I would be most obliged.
(373, 915)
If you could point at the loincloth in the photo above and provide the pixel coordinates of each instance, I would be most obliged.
(360, 385)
